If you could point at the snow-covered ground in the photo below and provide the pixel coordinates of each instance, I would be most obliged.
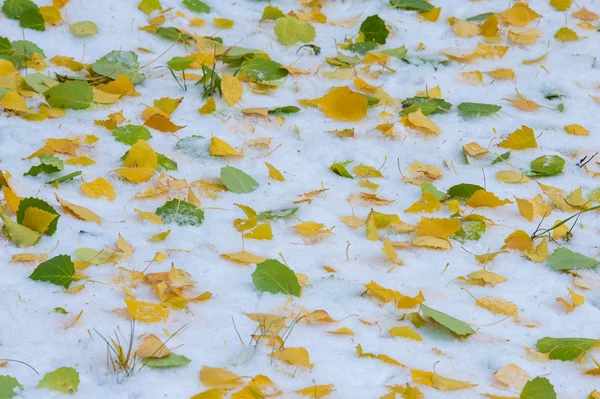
(303, 149)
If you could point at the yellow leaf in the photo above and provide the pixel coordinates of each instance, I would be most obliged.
(576, 130)
(50, 14)
(520, 139)
(102, 97)
(246, 224)
(576, 300)
(82, 161)
(447, 384)
(512, 376)
(152, 346)
(223, 23)
(264, 112)
(434, 92)
(566, 35)
(12, 101)
(311, 229)
(489, 29)
(295, 356)
(518, 15)
(525, 36)
(519, 240)
(160, 236)
(440, 228)
(431, 15)
(317, 391)
(220, 148)
(24, 258)
(209, 107)
(539, 253)
(558, 197)
(585, 15)
(475, 150)
(99, 188)
(244, 257)
(261, 232)
(146, 312)
(428, 203)
(405, 332)
(387, 295)
(420, 122)
(502, 73)
(422, 171)
(535, 60)
(78, 211)
(352, 221)
(390, 252)
(124, 246)
(274, 173)
(431, 242)
(136, 175)
(488, 51)
(498, 306)
(122, 86)
(220, 378)
(151, 217)
(167, 104)
(463, 28)
(232, 88)
(482, 198)
(533, 208)
(524, 105)
(561, 5)
(343, 104)
(511, 176)
(37, 219)
(342, 331)
(483, 277)
(162, 123)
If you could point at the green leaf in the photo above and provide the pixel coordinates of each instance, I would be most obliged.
(374, 30)
(277, 214)
(180, 63)
(84, 28)
(5, 49)
(237, 181)
(427, 105)
(64, 178)
(170, 361)
(456, 326)
(20, 235)
(362, 48)
(398, 52)
(235, 55)
(565, 349)
(288, 109)
(41, 204)
(118, 63)
(262, 69)
(49, 164)
(72, 95)
(271, 13)
(181, 212)
(22, 50)
(194, 146)
(413, 5)
(58, 270)
(290, 31)
(39, 82)
(90, 255)
(565, 259)
(340, 169)
(463, 191)
(547, 165)
(470, 230)
(63, 379)
(27, 12)
(148, 6)
(196, 6)
(538, 388)
(430, 188)
(130, 134)
(473, 109)
(165, 163)
(275, 277)
(173, 34)
(480, 17)
(7, 386)
(60, 310)
(501, 158)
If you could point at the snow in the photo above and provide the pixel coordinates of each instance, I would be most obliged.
(32, 332)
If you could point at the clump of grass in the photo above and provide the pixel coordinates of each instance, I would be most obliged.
(120, 355)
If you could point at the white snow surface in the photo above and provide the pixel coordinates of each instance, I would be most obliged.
(32, 332)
